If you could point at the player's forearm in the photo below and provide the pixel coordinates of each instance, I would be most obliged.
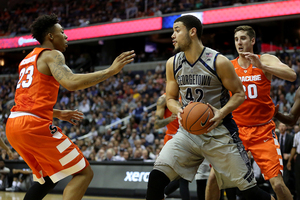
(159, 123)
(235, 101)
(282, 71)
(293, 152)
(173, 105)
(56, 113)
(286, 119)
(83, 81)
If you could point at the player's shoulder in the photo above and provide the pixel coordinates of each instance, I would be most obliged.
(267, 57)
(222, 60)
(170, 60)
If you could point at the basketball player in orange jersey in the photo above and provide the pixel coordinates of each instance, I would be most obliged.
(164, 117)
(254, 116)
(48, 152)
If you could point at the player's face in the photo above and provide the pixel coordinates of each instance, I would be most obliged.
(59, 38)
(243, 43)
(180, 37)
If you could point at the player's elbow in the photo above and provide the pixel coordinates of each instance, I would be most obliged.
(240, 97)
(292, 122)
(293, 77)
(70, 86)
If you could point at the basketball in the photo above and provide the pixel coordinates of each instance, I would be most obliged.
(195, 118)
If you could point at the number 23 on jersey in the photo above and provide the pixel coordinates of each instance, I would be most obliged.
(27, 74)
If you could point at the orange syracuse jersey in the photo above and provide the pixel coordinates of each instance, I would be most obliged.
(36, 93)
(258, 107)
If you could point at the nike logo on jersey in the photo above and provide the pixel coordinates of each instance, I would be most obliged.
(203, 124)
(250, 78)
(266, 140)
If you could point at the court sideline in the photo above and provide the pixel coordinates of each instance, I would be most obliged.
(20, 196)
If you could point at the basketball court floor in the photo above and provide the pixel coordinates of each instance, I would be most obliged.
(20, 196)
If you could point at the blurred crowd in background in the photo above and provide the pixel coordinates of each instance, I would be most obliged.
(129, 94)
(17, 16)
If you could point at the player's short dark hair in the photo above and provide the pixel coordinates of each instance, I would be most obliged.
(190, 21)
(42, 26)
(250, 31)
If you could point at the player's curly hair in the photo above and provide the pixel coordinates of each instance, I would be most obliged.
(42, 26)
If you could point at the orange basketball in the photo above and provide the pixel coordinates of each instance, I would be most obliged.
(195, 118)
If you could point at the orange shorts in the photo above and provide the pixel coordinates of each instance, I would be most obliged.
(262, 142)
(167, 138)
(46, 150)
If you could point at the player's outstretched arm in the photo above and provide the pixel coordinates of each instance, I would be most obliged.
(294, 114)
(63, 74)
(271, 65)
(70, 116)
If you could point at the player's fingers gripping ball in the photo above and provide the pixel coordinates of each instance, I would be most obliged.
(195, 118)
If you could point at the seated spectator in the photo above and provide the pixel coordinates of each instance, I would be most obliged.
(84, 107)
(120, 156)
(138, 112)
(100, 156)
(4, 171)
(109, 155)
(22, 180)
(115, 119)
(134, 136)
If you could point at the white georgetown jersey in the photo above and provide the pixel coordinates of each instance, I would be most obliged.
(199, 82)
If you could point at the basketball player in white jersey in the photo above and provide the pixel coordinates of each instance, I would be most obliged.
(201, 74)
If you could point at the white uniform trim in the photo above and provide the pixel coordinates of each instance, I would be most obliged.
(66, 172)
(19, 114)
(69, 157)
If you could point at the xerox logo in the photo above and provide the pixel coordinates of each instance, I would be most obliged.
(137, 176)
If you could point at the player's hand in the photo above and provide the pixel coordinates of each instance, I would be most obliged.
(71, 116)
(276, 110)
(120, 61)
(173, 117)
(217, 119)
(253, 58)
(289, 166)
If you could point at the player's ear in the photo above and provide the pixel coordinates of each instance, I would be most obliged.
(253, 40)
(193, 31)
(50, 36)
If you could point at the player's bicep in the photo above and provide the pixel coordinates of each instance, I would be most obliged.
(172, 89)
(59, 70)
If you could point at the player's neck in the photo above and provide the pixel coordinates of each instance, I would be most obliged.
(193, 53)
(243, 62)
